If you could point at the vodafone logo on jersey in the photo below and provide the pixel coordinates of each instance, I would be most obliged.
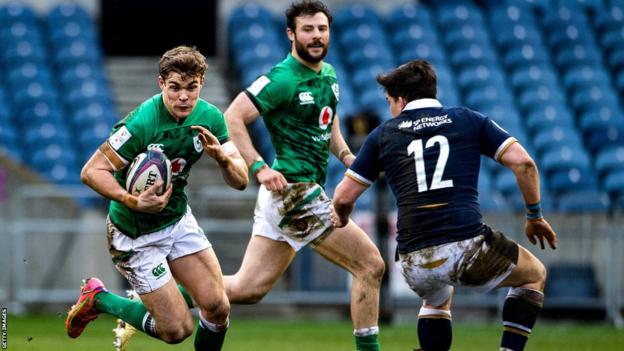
(325, 118)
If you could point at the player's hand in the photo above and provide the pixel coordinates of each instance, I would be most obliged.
(271, 179)
(150, 202)
(539, 229)
(335, 219)
(211, 144)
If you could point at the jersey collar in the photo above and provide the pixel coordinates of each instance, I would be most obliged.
(422, 103)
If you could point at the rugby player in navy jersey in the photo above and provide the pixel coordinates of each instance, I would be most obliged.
(430, 155)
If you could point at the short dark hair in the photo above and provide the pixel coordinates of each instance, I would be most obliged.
(305, 8)
(411, 81)
(184, 60)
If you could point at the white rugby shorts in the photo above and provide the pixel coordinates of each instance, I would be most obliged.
(481, 263)
(299, 215)
(144, 261)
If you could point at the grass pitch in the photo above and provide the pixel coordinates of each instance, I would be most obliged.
(48, 333)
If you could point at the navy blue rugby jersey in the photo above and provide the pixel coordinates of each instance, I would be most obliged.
(431, 158)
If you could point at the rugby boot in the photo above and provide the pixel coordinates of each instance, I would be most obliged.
(84, 310)
(124, 331)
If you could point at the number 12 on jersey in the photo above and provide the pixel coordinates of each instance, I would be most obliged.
(416, 148)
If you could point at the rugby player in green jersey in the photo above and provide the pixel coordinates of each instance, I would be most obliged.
(298, 99)
(154, 240)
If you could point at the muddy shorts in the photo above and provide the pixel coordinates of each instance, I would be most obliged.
(299, 215)
(481, 262)
(144, 261)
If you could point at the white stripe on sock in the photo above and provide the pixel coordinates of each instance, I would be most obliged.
(366, 331)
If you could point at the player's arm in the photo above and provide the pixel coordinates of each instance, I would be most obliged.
(241, 112)
(345, 195)
(522, 165)
(97, 174)
(361, 174)
(339, 146)
(231, 164)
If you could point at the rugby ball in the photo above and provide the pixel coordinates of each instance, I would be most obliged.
(146, 169)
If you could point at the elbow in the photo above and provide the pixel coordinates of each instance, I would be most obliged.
(525, 165)
(242, 183)
(85, 175)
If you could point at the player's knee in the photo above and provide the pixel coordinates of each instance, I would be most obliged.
(375, 268)
(177, 333)
(540, 274)
(216, 309)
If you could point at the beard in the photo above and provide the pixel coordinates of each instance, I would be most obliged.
(305, 55)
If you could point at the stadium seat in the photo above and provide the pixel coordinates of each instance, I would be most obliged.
(530, 77)
(611, 40)
(28, 72)
(549, 138)
(17, 11)
(579, 54)
(66, 12)
(19, 31)
(571, 280)
(44, 133)
(250, 12)
(609, 160)
(420, 51)
(582, 76)
(474, 79)
(565, 157)
(583, 201)
(352, 15)
(472, 55)
(506, 183)
(370, 54)
(548, 117)
(525, 55)
(457, 13)
(23, 51)
(409, 13)
(614, 182)
(571, 179)
(599, 138)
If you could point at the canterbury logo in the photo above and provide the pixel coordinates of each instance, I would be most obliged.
(306, 98)
(159, 270)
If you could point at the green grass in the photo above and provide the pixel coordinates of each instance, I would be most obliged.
(48, 333)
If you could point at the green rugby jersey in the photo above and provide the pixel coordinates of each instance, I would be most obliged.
(150, 126)
(298, 106)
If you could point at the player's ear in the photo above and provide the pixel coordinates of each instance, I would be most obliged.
(291, 34)
(161, 82)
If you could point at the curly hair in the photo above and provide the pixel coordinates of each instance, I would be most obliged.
(184, 60)
(305, 8)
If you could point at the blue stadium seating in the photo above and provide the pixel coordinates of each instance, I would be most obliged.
(571, 280)
(43, 58)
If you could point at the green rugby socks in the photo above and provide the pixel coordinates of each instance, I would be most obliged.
(366, 339)
(132, 312)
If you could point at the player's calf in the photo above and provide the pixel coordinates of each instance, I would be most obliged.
(519, 315)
